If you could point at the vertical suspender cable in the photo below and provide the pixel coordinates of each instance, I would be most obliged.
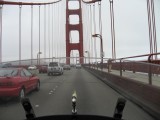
(114, 47)
(1, 8)
(49, 30)
(91, 31)
(150, 28)
(100, 19)
(154, 28)
(20, 10)
(57, 30)
(88, 33)
(112, 29)
(111, 17)
(94, 22)
(100, 26)
(31, 34)
(85, 27)
(39, 33)
(84, 24)
(44, 31)
(52, 31)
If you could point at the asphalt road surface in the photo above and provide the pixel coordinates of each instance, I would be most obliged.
(54, 97)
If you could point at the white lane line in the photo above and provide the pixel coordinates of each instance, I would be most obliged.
(36, 105)
(50, 93)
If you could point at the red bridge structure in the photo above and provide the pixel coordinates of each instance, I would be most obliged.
(48, 34)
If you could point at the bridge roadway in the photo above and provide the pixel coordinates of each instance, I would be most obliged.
(94, 97)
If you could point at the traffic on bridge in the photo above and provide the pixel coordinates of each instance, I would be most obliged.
(79, 59)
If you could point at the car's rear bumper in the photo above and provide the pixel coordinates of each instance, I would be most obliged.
(9, 92)
(54, 70)
(43, 71)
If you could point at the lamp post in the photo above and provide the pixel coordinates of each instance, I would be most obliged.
(38, 58)
(53, 58)
(101, 47)
(88, 56)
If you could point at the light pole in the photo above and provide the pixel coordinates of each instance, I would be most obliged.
(101, 47)
(76, 58)
(53, 58)
(38, 58)
(88, 55)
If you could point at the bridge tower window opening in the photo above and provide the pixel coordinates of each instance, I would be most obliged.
(74, 36)
(73, 19)
(72, 5)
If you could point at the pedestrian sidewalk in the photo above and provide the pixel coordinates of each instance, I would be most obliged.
(141, 77)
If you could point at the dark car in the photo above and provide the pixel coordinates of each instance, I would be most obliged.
(43, 69)
(17, 82)
(66, 67)
(5, 65)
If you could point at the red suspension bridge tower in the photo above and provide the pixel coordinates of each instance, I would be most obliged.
(70, 27)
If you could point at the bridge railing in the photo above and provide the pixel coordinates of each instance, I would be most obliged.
(145, 71)
(137, 80)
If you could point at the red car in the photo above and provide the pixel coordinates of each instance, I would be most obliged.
(43, 69)
(17, 82)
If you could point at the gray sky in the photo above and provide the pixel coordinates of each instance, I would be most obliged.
(131, 29)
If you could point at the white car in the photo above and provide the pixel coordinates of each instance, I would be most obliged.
(32, 67)
(78, 66)
(54, 68)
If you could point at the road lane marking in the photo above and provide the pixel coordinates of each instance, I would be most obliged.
(36, 105)
(51, 91)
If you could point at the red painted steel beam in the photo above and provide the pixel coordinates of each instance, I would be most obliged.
(26, 3)
(139, 56)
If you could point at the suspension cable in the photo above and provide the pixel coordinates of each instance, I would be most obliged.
(49, 31)
(150, 28)
(1, 12)
(55, 45)
(100, 19)
(112, 29)
(39, 33)
(20, 12)
(58, 30)
(88, 33)
(91, 38)
(52, 31)
(44, 31)
(94, 22)
(31, 34)
(154, 28)
(27, 3)
(100, 28)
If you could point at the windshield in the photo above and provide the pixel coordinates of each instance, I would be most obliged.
(53, 64)
(8, 72)
(97, 50)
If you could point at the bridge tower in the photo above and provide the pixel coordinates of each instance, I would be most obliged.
(70, 27)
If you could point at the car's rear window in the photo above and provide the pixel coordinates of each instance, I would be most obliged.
(53, 64)
(8, 72)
